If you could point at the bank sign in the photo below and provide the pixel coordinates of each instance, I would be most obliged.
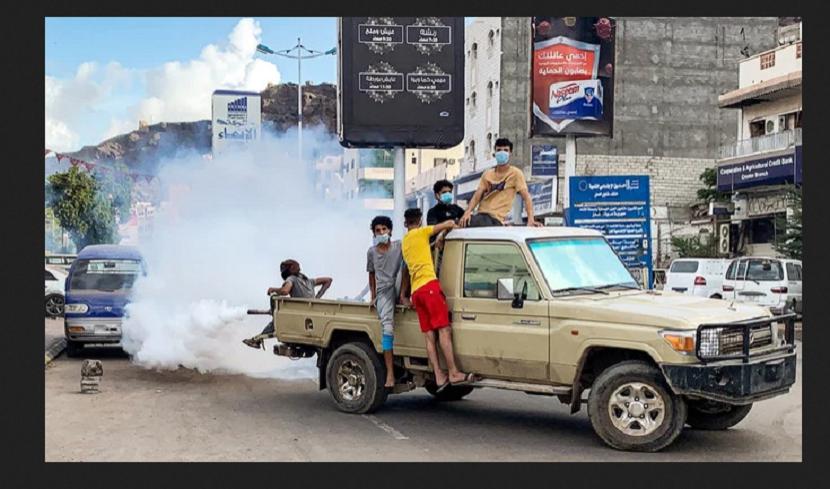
(236, 117)
(773, 170)
(618, 207)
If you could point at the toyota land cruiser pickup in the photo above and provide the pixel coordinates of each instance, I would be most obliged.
(553, 311)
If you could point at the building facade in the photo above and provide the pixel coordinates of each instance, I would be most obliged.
(669, 72)
(765, 162)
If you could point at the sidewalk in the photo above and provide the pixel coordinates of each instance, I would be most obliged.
(55, 341)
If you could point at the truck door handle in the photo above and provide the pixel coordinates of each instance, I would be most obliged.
(470, 317)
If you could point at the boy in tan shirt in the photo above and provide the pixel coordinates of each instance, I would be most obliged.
(496, 191)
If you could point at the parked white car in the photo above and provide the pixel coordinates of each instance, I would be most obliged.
(701, 277)
(770, 282)
(55, 279)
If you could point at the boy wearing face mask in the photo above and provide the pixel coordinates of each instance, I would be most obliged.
(383, 262)
(496, 191)
(445, 209)
(295, 284)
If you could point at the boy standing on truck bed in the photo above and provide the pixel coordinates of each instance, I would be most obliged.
(296, 285)
(428, 298)
(383, 262)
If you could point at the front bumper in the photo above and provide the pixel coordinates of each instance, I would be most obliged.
(94, 330)
(734, 382)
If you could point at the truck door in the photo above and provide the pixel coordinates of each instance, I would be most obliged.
(490, 337)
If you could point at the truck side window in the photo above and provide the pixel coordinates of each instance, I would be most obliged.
(485, 264)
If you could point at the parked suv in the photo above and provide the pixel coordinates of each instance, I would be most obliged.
(774, 283)
(702, 277)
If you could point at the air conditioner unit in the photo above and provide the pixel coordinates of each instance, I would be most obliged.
(770, 126)
(782, 122)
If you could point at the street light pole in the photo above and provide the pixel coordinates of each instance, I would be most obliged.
(299, 57)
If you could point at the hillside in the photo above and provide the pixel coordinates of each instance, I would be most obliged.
(143, 148)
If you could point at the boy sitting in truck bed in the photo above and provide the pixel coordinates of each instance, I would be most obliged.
(428, 298)
(296, 285)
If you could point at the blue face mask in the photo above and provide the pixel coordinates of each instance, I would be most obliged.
(502, 157)
(380, 239)
(446, 197)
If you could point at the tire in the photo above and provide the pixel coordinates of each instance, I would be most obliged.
(73, 348)
(635, 379)
(710, 415)
(450, 393)
(54, 305)
(355, 375)
(715, 296)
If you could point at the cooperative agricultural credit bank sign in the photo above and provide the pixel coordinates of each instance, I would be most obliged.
(237, 118)
(771, 170)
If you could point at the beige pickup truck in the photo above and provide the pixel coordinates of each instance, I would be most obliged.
(553, 311)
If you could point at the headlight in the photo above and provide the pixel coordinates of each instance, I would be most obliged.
(680, 341)
(710, 342)
(76, 308)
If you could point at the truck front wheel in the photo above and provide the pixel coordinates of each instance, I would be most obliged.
(711, 415)
(354, 375)
(631, 408)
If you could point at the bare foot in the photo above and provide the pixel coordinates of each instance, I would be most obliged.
(440, 379)
(458, 377)
(390, 382)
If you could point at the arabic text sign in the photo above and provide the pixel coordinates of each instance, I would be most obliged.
(544, 160)
(380, 81)
(428, 34)
(236, 118)
(380, 33)
(543, 194)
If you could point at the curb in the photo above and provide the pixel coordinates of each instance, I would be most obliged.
(54, 349)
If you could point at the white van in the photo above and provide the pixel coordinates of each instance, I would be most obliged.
(702, 277)
(770, 282)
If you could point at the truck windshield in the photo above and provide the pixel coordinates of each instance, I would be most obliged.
(580, 263)
(104, 275)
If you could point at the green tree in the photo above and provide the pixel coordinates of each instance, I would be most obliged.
(81, 209)
(709, 192)
(694, 247)
(116, 187)
(788, 243)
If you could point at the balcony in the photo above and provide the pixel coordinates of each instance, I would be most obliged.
(426, 179)
(761, 144)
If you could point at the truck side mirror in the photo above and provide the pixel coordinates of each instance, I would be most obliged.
(519, 298)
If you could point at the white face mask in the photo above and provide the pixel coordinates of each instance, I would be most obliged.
(380, 239)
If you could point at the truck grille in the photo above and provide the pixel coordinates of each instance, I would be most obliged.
(741, 340)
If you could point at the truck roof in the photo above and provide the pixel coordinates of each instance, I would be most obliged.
(520, 233)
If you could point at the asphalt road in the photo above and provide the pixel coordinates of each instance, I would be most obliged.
(146, 415)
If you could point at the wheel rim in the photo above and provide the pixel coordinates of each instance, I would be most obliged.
(54, 306)
(636, 409)
(351, 380)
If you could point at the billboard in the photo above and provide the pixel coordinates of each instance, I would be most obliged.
(400, 81)
(237, 118)
(618, 207)
(572, 76)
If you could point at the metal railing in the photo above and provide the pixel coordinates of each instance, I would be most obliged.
(760, 144)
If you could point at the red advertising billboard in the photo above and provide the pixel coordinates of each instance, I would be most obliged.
(573, 76)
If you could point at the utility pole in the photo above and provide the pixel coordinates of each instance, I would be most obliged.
(300, 49)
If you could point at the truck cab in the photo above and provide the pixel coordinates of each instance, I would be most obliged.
(554, 311)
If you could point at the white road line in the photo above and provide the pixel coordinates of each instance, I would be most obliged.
(385, 427)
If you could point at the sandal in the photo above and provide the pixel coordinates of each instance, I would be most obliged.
(253, 343)
(469, 379)
(443, 386)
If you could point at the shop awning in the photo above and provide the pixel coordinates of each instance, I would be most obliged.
(761, 92)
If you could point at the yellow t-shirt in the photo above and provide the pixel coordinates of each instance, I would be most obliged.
(500, 191)
(418, 256)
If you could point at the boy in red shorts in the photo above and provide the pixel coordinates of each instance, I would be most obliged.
(428, 298)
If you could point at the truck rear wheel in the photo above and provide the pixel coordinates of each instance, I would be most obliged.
(631, 408)
(711, 415)
(354, 375)
(450, 393)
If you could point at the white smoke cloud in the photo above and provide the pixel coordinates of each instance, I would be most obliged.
(180, 91)
(173, 92)
(216, 249)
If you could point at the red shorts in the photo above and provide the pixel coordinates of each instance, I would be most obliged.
(431, 306)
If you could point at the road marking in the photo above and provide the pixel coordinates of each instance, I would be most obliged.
(385, 427)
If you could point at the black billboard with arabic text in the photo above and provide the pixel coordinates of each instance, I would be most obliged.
(572, 76)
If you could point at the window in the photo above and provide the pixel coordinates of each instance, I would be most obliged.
(485, 264)
(739, 274)
(684, 267)
(475, 50)
(49, 275)
(762, 230)
(473, 99)
(767, 60)
(793, 273)
(730, 272)
(798, 50)
(767, 270)
(491, 38)
(798, 271)
(757, 128)
(107, 275)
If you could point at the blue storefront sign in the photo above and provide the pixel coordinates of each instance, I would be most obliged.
(543, 195)
(619, 208)
(771, 170)
(544, 160)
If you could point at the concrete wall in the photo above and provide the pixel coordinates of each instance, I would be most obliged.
(669, 73)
